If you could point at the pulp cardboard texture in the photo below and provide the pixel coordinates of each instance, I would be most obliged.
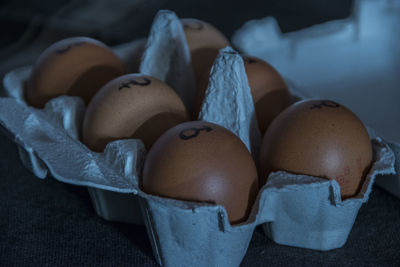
(354, 61)
(294, 210)
(167, 56)
(392, 183)
(229, 91)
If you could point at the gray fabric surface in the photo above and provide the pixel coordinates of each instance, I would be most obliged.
(47, 223)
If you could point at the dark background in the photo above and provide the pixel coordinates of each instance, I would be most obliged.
(48, 223)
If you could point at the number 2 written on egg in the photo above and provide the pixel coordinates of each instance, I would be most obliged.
(325, 103)
(138, 81)
(193, 132)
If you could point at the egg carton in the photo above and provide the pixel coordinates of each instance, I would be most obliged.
(295, 210)
(353, 61)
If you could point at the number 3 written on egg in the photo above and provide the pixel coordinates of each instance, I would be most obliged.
(193, 132)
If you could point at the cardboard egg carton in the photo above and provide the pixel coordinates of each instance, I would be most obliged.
(295, 210)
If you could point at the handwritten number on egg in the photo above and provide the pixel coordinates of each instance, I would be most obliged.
(325, 103)
(65, 49)
(194, 25)
(193, 132)
(140, 81)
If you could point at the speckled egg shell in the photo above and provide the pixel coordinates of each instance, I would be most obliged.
(320, 138)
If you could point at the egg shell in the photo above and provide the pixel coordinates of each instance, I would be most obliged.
(133, 57)
(203, 162)
(200, 34)
(204, 42)
(132, 106)
(320, 138)
(77, 66)
(202, 61)
(269, 91)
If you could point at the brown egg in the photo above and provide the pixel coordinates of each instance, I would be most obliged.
(77, 66)
(320, 138)
(200, 34)
(204, 42)
(269, 91)
(203, 162)
(131, 106)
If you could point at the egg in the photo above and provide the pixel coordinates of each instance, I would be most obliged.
(201, 64)
(77, 66)
(200, 34)
(319, 138)
(269, 91)
(204, 42)
(131, 106)
(202, 162)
